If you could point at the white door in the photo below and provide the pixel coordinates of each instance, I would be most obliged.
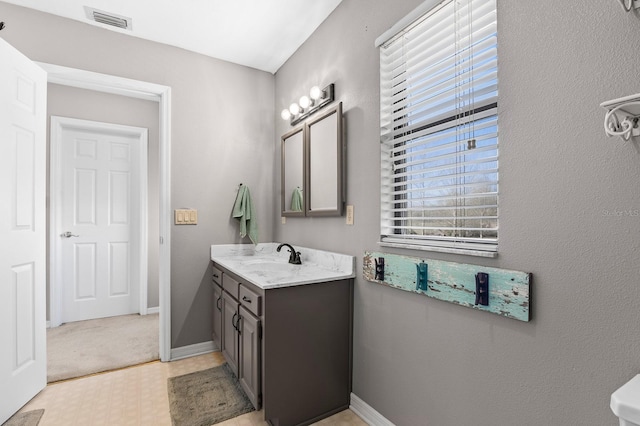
(23, 103)
(101, 204)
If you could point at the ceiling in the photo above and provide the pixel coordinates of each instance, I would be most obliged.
(260, 34)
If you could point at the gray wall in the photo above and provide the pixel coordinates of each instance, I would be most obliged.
(222, 134)
(417, 360)
(68, 101)
(420, 361)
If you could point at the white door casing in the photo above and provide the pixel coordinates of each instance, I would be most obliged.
(23, 103)
(98, 198)
(89, 80)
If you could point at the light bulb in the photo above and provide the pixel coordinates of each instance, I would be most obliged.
(315, 93)
(285, 114)
(294, 109)
(305, 102)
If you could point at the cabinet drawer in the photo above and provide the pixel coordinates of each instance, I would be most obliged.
(217, 276)
(230, 285)
(250, 300)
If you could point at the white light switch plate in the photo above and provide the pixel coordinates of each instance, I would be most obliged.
(350, 215)
(186, 217)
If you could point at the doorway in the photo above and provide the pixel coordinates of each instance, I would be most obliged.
(158, 93)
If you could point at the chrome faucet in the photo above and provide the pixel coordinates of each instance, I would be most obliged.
(294, 257)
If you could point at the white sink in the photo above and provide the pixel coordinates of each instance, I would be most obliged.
(267, 268)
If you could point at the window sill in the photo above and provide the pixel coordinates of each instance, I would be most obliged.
(465, 252)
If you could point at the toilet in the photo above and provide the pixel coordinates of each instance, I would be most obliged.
(625, 402)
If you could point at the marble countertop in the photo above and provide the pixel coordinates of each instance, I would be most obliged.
(264, 267)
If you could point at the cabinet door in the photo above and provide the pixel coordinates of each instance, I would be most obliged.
(250, 360)
(229, 333)
(217, 316)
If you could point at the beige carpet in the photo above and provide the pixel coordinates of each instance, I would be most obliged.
(81, 348)
(206, 397)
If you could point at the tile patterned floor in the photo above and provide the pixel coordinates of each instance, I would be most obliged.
(136, 396)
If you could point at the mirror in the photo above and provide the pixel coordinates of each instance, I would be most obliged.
(292, 192)
(312, 167)
(324, 164)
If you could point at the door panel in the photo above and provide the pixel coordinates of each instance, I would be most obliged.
(22, 230)
(229, 334)
(85, 196)
(23, 291)
(119, 279)
(250, 361)
(100, 190)
(85, 273)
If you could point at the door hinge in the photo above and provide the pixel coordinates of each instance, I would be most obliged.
(161, 240)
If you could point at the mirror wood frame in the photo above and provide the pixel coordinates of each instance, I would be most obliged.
(317, 136)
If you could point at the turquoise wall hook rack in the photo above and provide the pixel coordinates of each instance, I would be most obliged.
(508, 294)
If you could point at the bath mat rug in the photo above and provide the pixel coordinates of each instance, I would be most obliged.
(206, 397)
(28, 418)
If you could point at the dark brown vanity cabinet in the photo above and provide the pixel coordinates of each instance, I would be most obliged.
(238, 332)
(290, 346)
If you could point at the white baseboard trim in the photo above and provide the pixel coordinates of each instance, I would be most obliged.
(155, 310)
(192, 350)
(367, 412)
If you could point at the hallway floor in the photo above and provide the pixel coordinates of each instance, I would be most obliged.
(136, 396)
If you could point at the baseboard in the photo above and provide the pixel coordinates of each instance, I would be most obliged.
(367, 412)
(192, 350)
(154, 310)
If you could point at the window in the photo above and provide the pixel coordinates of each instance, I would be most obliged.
(439, 128)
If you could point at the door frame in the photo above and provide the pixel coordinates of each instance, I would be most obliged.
(58, 124)
(157, 93)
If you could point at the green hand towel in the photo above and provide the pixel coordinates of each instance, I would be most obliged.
(296, 200)
(245, 212)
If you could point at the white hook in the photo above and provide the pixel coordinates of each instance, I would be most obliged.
(622, 116)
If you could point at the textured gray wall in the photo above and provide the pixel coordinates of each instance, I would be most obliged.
(67, 101)
(420, 361)
(222, 134)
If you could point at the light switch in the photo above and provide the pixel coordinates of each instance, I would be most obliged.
(186, 217)
(350, 215)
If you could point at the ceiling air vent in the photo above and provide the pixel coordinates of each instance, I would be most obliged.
(108, 18)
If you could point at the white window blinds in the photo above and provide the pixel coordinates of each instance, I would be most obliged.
(439, 129)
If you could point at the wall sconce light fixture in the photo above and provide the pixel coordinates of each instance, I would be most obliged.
(622, 117)
(307, 105)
